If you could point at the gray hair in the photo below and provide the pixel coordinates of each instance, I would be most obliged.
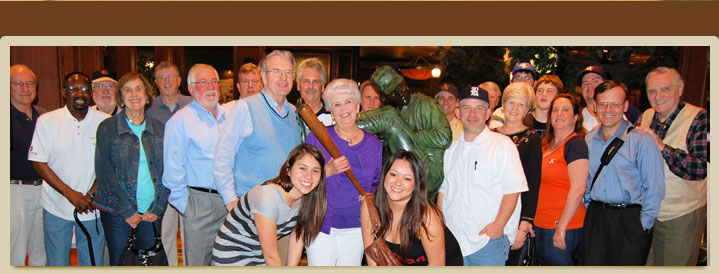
(315, 64)
(195, 68)
(676, 77)
(277, 52)
(519, 90)
(489, 85)
(339, 86)
(165, 65)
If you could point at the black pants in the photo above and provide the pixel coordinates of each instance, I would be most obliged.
(614, 237)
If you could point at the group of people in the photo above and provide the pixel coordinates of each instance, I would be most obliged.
(250, 184)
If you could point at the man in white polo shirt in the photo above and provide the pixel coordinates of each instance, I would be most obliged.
(63, 153)
(482, 180)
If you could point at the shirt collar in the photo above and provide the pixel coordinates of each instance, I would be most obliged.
(479, 138)
(205, 114)
(624, 124)
(671, 117)
(123, 127)
(274, 105)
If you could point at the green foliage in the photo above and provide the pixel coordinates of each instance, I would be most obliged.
(147, 71)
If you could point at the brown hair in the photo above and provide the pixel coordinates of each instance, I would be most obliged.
(314, 204)
(415, 214)
(578, 128)
(129, 77)
(552, 80)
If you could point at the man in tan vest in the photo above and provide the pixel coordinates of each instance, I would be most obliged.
(681, 132)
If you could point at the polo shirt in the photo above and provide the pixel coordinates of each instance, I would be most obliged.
(68, 147)
(477, 175)
(21, 130)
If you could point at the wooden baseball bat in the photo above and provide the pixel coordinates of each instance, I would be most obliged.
(321, 133)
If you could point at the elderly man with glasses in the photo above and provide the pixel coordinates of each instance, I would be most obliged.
(167, 79)
(190, 138)
(261, 130)
(104, 91)
(26, 238)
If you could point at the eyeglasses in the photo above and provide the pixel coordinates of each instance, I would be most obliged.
(278, 72)
(204, 83)
(78, 88)
(605, 105)
(100, 86)
(167, 76)
(19, 84)
(526, 77)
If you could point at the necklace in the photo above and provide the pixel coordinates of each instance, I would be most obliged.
(347, 139)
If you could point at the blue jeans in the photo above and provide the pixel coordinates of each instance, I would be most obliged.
(58, 240)
(551, 255)
(494, 253)
(117, 231)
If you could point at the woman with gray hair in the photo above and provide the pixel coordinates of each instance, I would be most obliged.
(339, 242)
(517, 100)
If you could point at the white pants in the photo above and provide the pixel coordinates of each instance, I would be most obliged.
(342, 247)
(26, 230)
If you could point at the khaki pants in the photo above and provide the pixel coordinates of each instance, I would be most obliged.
(26, 231)
(676, 241)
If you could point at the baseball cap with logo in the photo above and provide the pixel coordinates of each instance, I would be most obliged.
(474, 93)
(104, 75)
(594, 69)
(526, 67)
(447, 87)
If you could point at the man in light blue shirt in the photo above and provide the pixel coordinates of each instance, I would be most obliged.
(261, 131)
(190, 138)
(623, 202)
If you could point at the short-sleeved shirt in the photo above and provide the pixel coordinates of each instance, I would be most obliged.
(555, 185)
(477, 175)
(238, 243)
(68, 147)
(21, 130)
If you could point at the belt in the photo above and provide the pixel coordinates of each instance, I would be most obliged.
(615, 206)
(204, 189)
(23, 182)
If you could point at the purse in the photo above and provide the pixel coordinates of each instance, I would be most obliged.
(153, 256)
(530, 257)
(378, 250)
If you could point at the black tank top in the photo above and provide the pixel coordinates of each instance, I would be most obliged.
(417, 256)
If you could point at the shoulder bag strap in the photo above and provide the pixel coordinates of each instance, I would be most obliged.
(608, 155)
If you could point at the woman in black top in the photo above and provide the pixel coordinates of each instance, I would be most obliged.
(410, 223)
(517, 99)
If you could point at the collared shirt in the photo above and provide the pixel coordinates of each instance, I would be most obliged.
(634, 176)
(160, 111)
(189, 147)
(477, 175)
(21, 131)
(274, 105)
(457, 129)
(68, 147)
(692, 164)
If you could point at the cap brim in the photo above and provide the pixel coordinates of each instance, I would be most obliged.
(104, 79)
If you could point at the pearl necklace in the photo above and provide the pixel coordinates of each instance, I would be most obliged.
(348, 140)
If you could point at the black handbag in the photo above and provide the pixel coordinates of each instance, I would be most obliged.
(530, 257)
(152, 256)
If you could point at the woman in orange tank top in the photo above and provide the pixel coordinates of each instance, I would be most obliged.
(565, 167)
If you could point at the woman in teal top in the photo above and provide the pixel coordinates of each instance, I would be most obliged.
(128, 165)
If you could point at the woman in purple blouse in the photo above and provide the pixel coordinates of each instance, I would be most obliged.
(340, 240)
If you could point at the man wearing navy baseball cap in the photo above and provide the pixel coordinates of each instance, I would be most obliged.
(482, 182)
(104, 91)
